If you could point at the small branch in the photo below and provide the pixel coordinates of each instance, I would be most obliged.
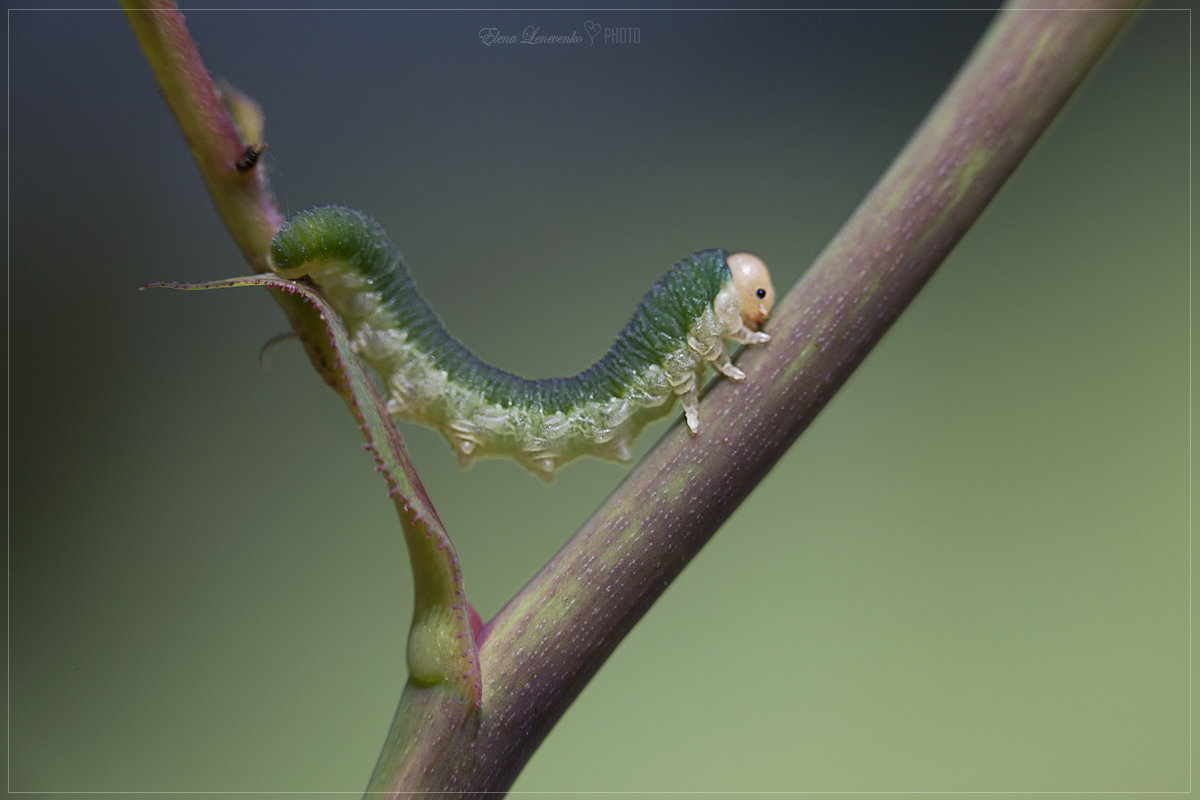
(543, 647)
(241, 196)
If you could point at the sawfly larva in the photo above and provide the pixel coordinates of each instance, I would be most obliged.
(679, 328)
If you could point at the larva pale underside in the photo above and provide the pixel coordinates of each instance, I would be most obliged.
(679, 328)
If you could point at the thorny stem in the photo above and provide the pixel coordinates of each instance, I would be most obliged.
(542, 648)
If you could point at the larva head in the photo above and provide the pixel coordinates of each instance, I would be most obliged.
(753, 282)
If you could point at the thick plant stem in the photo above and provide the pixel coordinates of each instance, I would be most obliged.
(541, 649)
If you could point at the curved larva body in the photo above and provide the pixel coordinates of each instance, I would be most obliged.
(679, 327)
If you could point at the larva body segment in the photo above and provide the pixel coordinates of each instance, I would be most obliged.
(679, 327)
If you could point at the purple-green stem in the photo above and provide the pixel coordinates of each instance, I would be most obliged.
(242, 197)
(545, 644)
(542, 648)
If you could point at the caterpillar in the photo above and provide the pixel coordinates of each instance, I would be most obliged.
(679, 328)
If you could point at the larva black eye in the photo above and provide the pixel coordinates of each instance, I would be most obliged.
(760, 294)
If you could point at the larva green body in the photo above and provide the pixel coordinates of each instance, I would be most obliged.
(679, 327)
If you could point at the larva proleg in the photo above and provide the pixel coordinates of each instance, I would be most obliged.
(679, 328)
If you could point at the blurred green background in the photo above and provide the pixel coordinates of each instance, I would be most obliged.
(971, 574)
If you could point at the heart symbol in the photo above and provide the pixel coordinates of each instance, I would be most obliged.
(592, 29)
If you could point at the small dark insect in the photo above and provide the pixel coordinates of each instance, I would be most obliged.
(250, 157)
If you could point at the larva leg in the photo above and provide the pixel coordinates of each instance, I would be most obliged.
(717, 354)
(747, 336)
(686, 390)
(464, 447)
(691, 408)
(463, 439)
(544, 465)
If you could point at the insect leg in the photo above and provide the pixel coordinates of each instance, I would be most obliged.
(717, 354)
(747, 336)
(685, 388)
